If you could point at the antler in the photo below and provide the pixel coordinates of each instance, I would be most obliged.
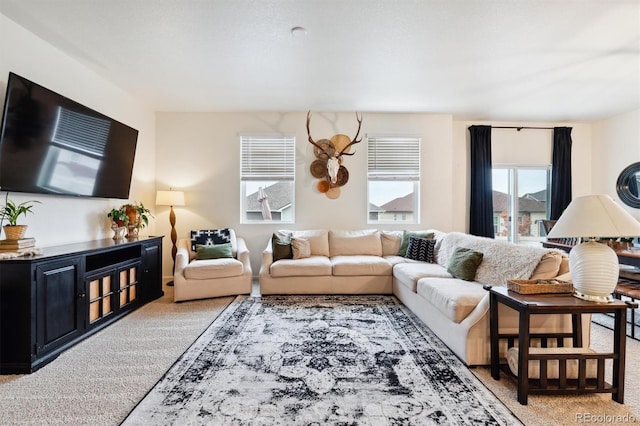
(354, 140)
(311, 139)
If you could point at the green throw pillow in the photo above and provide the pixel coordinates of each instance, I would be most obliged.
(406, 236)
(464, 263)
(281, 246)
(215, 251)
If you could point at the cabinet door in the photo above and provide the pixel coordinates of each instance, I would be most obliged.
(151, 271)
(59, 304)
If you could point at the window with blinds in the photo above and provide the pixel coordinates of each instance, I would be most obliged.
(267, 174)
(393, 176)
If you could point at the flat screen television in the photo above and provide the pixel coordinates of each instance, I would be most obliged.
(50, 144)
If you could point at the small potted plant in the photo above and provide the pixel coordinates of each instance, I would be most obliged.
(132, 216)
(11, 212)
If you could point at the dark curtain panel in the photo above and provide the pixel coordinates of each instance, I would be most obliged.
(481, 208)
(560, 171)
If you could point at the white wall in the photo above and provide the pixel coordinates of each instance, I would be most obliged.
(199, 153)
(616, 145)
(60, 220)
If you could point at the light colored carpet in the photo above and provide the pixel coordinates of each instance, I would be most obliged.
(100, 380)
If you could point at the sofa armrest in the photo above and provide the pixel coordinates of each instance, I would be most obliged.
(243, 254)
(182, 255)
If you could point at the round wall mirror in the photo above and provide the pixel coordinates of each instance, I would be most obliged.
(628, 185)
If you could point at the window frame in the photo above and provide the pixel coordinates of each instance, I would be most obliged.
(407, 170)
(265, 169)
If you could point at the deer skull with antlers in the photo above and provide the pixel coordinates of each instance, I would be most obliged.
(331, 153)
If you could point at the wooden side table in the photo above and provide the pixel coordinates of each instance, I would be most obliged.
(541, 304)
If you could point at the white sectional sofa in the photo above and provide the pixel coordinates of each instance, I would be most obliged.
(367, 262)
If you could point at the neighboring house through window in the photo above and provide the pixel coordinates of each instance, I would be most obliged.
(393, 175)
(525, 191)
(267, 175)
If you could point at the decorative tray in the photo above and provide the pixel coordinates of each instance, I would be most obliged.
(539, 286)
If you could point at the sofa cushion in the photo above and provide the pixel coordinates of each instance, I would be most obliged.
(464, 263)
(548, 266)
(347, 243)
(311, 266)
(281, 246)
(301, 248)
(410, 272)
(421, 249)
(391, 241)
(213, 268)
(215, 251)
(454, 298)
(318, 240)
(408, 234)
(360, 265)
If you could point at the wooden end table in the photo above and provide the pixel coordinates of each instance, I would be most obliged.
(541, 304)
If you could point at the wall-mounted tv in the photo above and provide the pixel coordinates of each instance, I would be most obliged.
(50, 144)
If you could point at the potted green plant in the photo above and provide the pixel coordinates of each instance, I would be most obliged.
(11, 212)
(133, 216)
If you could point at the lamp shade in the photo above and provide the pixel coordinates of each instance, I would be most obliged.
(595, 216)
(170, 198)
(594, 267)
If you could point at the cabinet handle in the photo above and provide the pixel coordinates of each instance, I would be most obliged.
(81, 295)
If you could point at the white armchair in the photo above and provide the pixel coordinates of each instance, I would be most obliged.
(201, 279)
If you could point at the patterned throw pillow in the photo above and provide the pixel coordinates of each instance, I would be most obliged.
(209, 237)
(421, 249)
(464, 263)
(406, 235)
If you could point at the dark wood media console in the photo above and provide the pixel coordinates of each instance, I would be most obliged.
(51, 301)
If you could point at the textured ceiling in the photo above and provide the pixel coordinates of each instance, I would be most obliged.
(536, 60)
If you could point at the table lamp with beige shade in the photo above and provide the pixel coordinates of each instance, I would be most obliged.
(594, 266)
(171, 198)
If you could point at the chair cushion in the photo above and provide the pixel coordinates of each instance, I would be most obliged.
(311, 266)
(410, 272)
(391, 241)
(453, 297)
(318, 240)
(213, 268)
(361, 265)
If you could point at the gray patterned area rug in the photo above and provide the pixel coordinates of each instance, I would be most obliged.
(312, 360)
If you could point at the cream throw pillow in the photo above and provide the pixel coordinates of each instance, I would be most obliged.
(301, 248)
(548, 266)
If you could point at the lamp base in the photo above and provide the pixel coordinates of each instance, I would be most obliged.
(594, 270)
(591, 298)
(169, 284)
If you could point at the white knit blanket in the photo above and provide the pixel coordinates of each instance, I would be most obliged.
(501, 261)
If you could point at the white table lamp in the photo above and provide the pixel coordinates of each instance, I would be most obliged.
(594, 266)
(171, 198)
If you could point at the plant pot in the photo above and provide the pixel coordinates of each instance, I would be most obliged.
(15, 232)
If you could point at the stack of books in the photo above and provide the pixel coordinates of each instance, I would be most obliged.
(22, 245)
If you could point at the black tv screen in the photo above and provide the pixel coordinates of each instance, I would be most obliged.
(51, 144)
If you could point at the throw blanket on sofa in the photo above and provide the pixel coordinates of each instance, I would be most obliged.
(501, 261)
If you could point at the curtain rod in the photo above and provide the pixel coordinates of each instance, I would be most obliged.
(518, 128)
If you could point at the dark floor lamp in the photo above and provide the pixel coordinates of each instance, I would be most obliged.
(171, 198)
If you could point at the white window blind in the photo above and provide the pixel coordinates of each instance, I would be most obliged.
(267, 158)
(393, 158)
(81, 132)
